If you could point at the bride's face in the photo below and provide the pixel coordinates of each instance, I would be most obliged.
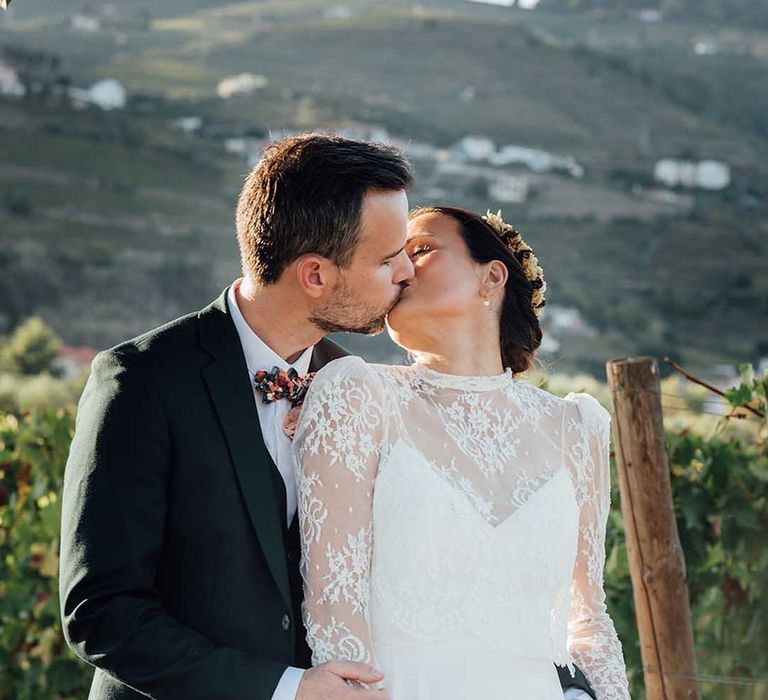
(446, 286)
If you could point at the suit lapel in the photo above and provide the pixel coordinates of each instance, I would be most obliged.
(325, 351)
(226, 378)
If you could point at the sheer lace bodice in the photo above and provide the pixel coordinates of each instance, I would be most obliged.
(487, 499)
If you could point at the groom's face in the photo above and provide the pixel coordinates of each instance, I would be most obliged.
(364, 292)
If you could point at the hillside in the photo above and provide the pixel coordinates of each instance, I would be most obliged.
(409, 68)
(748, 13)
(114, 222)
(108, 223)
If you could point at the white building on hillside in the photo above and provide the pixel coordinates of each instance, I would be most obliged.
(706, 47)
(107, 94)
(565, 320)
(509, 188)
(10, 85)
(482, 148)
(502, 3)
(189, 125)
(713, 175)
(477, 147)
(88, 24)
(707, 174)
(537, 160)
(522, 4)
(241, 84)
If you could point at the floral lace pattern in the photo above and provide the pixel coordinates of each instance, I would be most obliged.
(487, 500)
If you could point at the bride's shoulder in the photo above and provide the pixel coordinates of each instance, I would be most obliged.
(345, 373)
(347, 367)
(350, 371)
(533, 393)
(355, 365)
(587, 407)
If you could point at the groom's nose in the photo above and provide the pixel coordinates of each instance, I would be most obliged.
(402, 269)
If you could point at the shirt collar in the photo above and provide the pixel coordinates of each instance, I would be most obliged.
(258, 355)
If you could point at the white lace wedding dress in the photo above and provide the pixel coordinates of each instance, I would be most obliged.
(453, 532)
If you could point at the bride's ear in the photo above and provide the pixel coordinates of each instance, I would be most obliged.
(495, 277)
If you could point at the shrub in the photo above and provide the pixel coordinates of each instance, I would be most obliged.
(37, 664)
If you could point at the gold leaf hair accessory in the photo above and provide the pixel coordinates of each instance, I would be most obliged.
(524, 254)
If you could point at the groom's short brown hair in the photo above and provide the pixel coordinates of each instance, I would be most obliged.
(306, 196)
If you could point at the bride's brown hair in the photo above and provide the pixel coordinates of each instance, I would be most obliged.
(519, 329)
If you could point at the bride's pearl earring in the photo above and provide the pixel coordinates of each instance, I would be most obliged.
(486, 302)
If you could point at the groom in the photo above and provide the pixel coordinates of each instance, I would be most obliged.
(180, 544)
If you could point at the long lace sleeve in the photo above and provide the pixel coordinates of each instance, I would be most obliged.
(592, 638)
(337, 445)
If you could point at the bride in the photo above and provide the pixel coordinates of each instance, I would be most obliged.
(453, 516)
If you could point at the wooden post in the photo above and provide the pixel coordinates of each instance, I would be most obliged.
(656, 558)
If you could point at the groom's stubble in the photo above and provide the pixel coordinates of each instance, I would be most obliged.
(344, 314)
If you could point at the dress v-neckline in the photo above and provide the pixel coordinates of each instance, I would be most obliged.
(465, 499)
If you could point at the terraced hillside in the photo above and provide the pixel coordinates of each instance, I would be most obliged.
(113, 222)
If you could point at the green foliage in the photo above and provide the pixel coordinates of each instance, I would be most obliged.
(721, 500)
(41, 391)
(753, 392)
(720, 490)
(33, 450)
(32, 349)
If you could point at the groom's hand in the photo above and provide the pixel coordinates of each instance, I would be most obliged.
(328, 681)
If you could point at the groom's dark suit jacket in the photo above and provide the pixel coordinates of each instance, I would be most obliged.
(179, 578)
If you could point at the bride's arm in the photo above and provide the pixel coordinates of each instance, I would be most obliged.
(592, 638)
(337, 445)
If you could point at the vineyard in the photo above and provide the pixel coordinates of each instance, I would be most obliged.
(719, 480)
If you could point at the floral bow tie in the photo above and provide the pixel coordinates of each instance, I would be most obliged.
(281, 384)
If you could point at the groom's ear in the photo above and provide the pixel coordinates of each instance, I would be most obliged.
(314, 275)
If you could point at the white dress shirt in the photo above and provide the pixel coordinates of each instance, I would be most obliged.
(574, 693)
(258, 355)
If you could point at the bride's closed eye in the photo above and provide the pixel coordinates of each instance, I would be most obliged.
(419, 249)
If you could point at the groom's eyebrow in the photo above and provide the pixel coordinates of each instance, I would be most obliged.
(394, 255)
(416, 236)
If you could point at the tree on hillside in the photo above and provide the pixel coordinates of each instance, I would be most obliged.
(31, 349)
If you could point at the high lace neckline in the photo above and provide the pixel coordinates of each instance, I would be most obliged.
(465, 382)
